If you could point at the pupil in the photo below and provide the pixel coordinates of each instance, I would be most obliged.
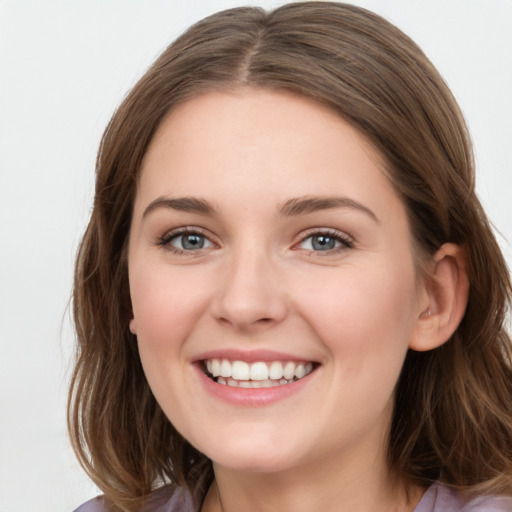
(192, 241)
(323, 243)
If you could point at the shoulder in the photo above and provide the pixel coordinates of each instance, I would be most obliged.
(163, 500)
(489, 504)
(440, 498)
(94, 505)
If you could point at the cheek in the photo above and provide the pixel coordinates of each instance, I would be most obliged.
(166, 307)
(365, 316)
(165, 304)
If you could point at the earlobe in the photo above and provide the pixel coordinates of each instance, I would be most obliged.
(446, 297)
(133, 328)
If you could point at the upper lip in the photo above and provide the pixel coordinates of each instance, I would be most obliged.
(250, 356)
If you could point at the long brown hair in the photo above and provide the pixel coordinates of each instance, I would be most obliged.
(453, 414)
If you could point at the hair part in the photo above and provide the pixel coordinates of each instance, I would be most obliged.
(453, 413)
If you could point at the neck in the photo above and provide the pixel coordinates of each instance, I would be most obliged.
(326, 487)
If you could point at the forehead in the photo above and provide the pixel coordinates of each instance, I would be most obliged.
(257, 143)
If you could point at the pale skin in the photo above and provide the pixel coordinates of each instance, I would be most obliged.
(295, 242)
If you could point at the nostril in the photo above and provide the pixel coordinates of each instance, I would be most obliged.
(247, 324)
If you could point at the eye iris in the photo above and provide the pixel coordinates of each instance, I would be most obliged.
(323, 243)
(191, 241)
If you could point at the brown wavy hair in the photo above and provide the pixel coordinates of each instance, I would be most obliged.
(453, 413)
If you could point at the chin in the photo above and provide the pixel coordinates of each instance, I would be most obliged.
(257, 463)
(252, 454)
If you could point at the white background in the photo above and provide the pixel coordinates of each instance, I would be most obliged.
(64, 66)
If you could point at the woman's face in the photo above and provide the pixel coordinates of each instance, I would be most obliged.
(268, 246)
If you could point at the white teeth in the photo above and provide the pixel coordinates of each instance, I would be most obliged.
(240, 370)
(215, 368)
(254, 383)
(300, 371)
(289, 371)
(225, 368)
(258, 374)
(259, 371)
(275, 371)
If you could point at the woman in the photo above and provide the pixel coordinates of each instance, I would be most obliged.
(288, 295)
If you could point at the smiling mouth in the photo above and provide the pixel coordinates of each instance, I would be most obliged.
(256, 375)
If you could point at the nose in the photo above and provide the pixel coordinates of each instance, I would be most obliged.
(250, 297)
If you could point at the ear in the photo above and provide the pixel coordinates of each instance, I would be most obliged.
(443, 299)
(133, 328)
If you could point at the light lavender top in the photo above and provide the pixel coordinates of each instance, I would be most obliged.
(438, 498)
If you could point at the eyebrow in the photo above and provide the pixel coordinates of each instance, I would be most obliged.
(290, 208)
(311, 204)
(182, 204)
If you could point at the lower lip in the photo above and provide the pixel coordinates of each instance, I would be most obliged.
(252, 397)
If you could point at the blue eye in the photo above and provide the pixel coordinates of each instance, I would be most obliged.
(324, 242)
(186, 241)
(189, 241)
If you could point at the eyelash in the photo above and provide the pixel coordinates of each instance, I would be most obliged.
(345, 241)
(165, 241)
